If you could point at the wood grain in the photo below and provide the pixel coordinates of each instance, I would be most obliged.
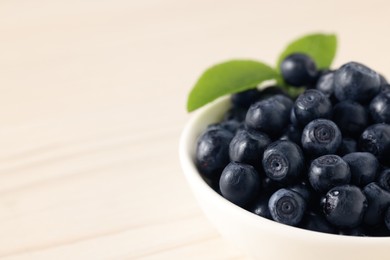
(92, 106)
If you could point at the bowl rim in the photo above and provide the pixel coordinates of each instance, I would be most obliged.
(186, 155)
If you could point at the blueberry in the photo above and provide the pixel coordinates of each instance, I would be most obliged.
(320, 137)
(344, 206)
(269, 186)
(384, 179)
(328, 171)
(230, 125)
(317, 222)
(283, 161)
(350, 117)
(387, 218)
(383, 80)
(310, 105)
(364, 167)
(380, 107)
(354, 81)
(353, 232)
(287, 207)
(298, 70)
(376, 140)
(325, 83)
(235, 113)
(378, 201)
(292, 134)
(270, 116)
(304, 190)
(348, 145)
(239, 183)
(248, 147)
(293, 118)
(260, 207)
(212, 152)
(245, 98)
(271, 91)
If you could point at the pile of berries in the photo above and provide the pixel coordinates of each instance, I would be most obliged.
(319, 162)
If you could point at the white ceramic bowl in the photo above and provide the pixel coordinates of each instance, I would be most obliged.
(259, 237)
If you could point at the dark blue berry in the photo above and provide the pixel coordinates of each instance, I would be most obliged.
(298, 70)
(350, 117)
(320, 137)
(272, 91)
(364, 167)
(376, 140)
(354, 81)
(325, 83)
(270, 116)
(378, 201)
(230, 125)
(328, 171)
(287, 207)
(269, 186)
(212, 151)
(239, 183)
(384, 179)
(283, 161)
(245, 98)
(380, 107)
(293, 119)
(235, 113)
(344, 206)
(359, 232)
(248, 147)
(348, 145)
(317, 222)
(387, 218)
(260, 207)
(292, 134)
(304, 190)
(310, 105)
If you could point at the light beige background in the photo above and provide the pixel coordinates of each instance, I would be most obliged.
(93, 101)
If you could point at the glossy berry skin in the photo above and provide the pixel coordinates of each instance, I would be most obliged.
(283, 161)
(378, 201)
(260, 207)
(350, 117)
(384, 179)
(317, 222)
(387, 218)
(235, 113)
(325, 83)
(310, 105)
(245, 98)
(344, 206)
(230, 125)
(328, 171)
(287, 207)
(364, 167)
(212, 152)
(320, 137)
(239, 183)
(270, 116)
(292, 134)
(248, 147)
(380, 107)
(298, 70)
(272, 91)
(348, 145)
(354, 81)
(376, 140)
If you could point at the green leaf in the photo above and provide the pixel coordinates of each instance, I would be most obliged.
(227, 78)
(320, 47)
